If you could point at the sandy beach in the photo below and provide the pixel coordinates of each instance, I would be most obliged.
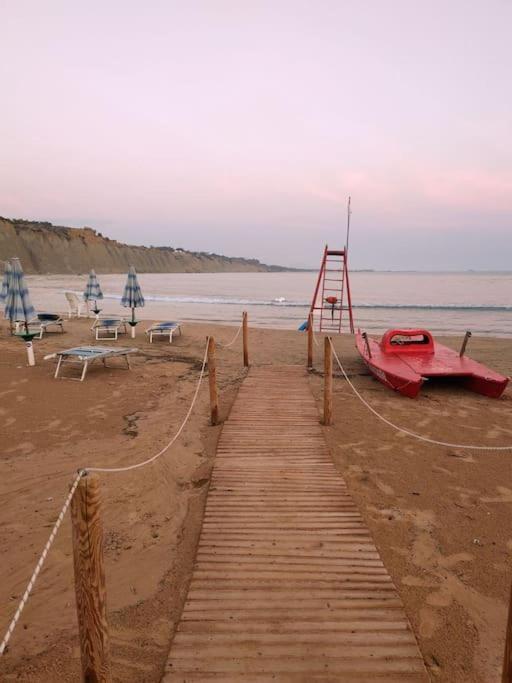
(439, 516)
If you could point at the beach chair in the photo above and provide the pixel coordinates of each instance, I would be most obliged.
(163, 329)
(86, 355)
(108, 328)
(40, 324)
(75, 304)
(45, 321)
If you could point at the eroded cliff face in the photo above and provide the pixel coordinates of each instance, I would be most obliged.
(45, 248)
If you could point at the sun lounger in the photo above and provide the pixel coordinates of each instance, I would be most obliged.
(40, 324)
(85, 355)
(109, 328)
(45, 321)
(163, 329)
(75, 304)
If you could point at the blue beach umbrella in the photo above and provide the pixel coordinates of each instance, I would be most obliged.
(132, 295)
(18, 307)
(5, 281)
(92, 290)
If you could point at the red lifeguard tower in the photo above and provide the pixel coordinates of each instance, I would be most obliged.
(332, 291)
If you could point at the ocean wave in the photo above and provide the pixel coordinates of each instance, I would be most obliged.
(285, 303)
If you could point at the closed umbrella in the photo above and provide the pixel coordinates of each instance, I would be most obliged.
(132, 296)
(93, 291)
(18, 307)
(5, 281)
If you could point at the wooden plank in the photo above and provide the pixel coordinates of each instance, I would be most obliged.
(287, 584)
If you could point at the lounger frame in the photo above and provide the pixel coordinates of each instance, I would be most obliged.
(108, 329)
(164, 331)
(39, 327)
(87, 357)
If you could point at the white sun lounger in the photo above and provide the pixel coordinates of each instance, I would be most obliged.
(163, 329)
(85, 355)
(109, 328)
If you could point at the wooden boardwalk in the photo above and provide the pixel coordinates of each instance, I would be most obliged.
(287, 585)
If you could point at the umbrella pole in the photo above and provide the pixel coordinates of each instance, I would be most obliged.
(30, 349)
(133, 323)
(30, 353)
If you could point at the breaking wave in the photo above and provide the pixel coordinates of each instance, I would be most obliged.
(281, 301)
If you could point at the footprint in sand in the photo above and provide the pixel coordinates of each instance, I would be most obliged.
(453, 560)
(419, 582)
(25, 448)
(504, 497)
(344, 446)
(15, 382)
(495, 432)
(385, 488)
(389, 514)
(461, 455)
(441, 470)
(53, 425)
(441, 598)
(425, 422)
(430, 621)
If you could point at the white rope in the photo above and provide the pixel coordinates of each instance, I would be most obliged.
(166, 447)
(226, 346)
(40, 563)
(406, 431)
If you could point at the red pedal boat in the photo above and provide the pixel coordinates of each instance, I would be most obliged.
(404, 359)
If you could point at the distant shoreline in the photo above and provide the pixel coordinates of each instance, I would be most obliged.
(284, 269)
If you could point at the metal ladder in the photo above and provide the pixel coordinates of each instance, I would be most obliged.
(333, 283)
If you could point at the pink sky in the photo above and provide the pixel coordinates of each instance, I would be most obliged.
(241, 127)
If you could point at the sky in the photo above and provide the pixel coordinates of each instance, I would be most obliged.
(242, 127)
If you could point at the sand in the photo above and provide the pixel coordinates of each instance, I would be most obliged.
(439, 516)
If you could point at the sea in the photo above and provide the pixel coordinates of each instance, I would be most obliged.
(443, 302)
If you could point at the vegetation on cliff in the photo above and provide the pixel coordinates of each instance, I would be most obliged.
(45, 248)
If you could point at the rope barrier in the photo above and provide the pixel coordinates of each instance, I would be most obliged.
(407, 431)
(81, 473)
(226, 346)
(168, 445)
(40, 563)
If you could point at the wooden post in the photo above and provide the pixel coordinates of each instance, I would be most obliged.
(507, 661)
(310, 341)
(464, 343)
(212, 380)
(90, 590)
(327, 382)
(245, 335)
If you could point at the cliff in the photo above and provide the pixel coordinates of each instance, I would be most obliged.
(45, 248)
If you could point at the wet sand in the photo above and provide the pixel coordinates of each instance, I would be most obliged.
(439, 516)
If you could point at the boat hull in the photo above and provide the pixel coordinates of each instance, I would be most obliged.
(405, 372)
(405, 386)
